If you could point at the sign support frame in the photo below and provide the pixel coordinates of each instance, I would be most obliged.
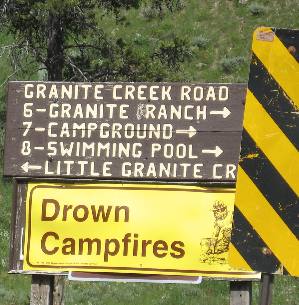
(240, 292)
(43, 286)
(266, 289)
(42, 290)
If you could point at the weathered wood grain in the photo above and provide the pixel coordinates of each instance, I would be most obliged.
(42, 289)
(17, 226)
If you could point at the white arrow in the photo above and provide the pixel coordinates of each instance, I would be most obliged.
(26, 167)
(225, 112)
(217, 151)
(191, 131)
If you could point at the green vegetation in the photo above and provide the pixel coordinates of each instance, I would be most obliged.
(196, 41)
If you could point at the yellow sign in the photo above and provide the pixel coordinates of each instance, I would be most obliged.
(266, 231)
(162, 229)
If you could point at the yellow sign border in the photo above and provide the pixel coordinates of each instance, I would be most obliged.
(159, 187)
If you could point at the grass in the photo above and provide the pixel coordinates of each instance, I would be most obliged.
(146, 294)
(218, 33)
(227, 26)
(16, 291)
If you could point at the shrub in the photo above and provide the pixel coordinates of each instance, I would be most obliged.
(257, 9)
(139, 39)
(157, 8)
(201, 41)
(232, 64)
(174, 52)
(149, 12)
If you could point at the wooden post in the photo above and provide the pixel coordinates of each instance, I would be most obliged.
(240, 292)
(266, 289)
(58, 290)
(42, 287)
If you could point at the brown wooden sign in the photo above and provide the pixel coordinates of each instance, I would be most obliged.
(144, 131)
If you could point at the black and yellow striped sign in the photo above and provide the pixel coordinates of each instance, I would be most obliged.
(266, 219)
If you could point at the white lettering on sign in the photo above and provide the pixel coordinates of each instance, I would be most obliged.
(180, 151)
(98, 92)
(114, 131)
(199, 93)
(136, 169)
(99, 149)
(172, 112)
(160, 170)
(227, 171)
(27, 92)
(132, 92)
(126, 130)
(88, 111)
(140, 92)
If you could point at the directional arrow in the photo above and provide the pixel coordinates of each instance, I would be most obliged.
(26, 167)
(225, 112)
(217, 151)
(191, 131)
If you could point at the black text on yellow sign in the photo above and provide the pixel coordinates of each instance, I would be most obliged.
(128, 228)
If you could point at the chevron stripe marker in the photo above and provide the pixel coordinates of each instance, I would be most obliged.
(269, 137)
(279, 62)
(267, 223)
(238, 258)
(249, 239)
(279, 198)
(274, 100)
(266, 218)
(290, 40)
